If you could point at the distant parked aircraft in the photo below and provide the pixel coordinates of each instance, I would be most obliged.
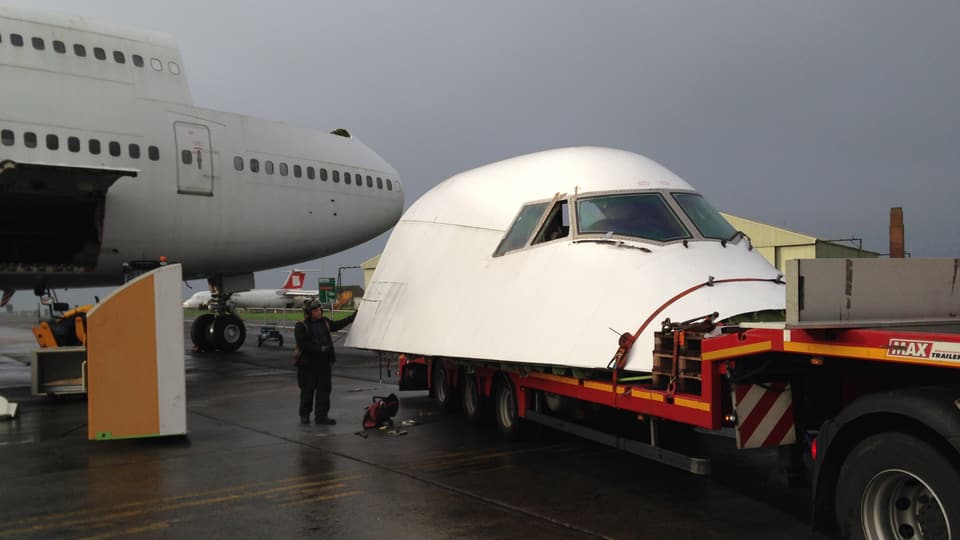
(292, 294)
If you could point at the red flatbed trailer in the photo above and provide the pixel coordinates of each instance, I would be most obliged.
(866, 404)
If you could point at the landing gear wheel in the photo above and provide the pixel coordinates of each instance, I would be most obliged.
(200, 332)
(259, 342)
(228, 332)
(442, 388)
(505, 405)
(895, 485)
(474, 405)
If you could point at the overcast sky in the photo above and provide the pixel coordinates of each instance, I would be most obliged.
(817, 116)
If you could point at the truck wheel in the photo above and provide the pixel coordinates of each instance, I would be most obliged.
(199, 331)
(474, 405)
(894, 485)
(505, 404)
(442, 388)
(229, 332)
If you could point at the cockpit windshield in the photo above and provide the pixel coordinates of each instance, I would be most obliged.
(644, 215)
(704, 217)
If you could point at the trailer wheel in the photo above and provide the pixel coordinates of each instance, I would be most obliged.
(505, 404)
(442, 388)
(473, 403)
(894, 485)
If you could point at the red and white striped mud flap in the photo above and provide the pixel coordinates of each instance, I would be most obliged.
(764, 414)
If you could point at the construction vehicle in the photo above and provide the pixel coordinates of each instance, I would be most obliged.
(69, 329)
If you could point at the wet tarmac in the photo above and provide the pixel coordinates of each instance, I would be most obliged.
(247, 469)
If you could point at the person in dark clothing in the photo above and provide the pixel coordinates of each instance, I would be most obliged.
(316, 361)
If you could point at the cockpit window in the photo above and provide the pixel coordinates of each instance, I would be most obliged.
(644, 215)
(557, 224)
(706, 219)
(521, 229)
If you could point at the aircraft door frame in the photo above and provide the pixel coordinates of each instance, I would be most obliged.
(194, 158)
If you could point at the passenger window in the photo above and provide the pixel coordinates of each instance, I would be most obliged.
(521, 229)
(59, 47)
(73, 144)
(7, 138)
(156, 64)
(119, 58)
(94, 147)
(254, 165)
(186, 157)
(137, 60)
(389, 185)
(16, 40)
(323, 174)
(557, 224)
(283, 169)
(153, 153)
(79, 50)
(53, 142)
(346, 178)
(99, 53)
(174, 68)
(336, 176)
(370, 181)
(238, 163)
(114, 148)
(38, 43)
(134, 151)
(379, 183)
(30, 139)
(311, 173)
(268, 167)
(297, 171)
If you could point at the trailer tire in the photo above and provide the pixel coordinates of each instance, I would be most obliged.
(474, 405)
(443, 390)
(894, 485)
(505, 410)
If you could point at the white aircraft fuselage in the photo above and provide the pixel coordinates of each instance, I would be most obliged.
(546, 258)
(104, 159)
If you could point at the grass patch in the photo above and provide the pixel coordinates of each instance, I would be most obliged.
(270, 315)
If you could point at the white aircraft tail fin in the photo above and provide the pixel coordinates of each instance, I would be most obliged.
(294, 280)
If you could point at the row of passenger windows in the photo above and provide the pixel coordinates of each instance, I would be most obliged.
(99, 53)
(52, 142)
(298, 172)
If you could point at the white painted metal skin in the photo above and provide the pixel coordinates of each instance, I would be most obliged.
(249, 221)
(438, 289)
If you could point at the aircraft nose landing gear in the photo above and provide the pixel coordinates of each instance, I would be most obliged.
(225, 332)
(221, 330)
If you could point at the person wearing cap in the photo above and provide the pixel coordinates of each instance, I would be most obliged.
(316, 361)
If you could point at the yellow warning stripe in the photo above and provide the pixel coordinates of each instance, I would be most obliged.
(868, 353)
(692, 404)
(554, 378)
(593, 385)
(739, 350)
(622, 390)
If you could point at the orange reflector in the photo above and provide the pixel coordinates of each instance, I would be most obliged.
(816, 361)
